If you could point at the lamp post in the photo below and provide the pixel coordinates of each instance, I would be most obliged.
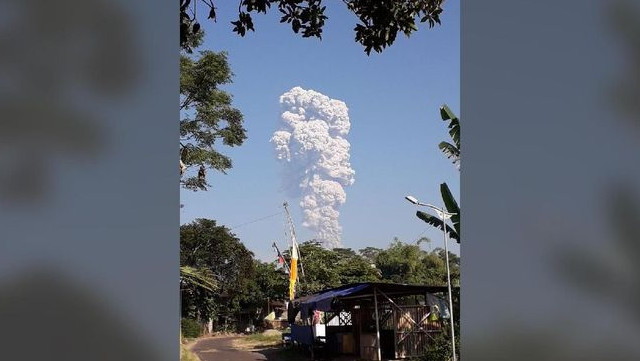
(444, 215)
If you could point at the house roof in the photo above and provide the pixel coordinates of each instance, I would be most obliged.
(324, 300)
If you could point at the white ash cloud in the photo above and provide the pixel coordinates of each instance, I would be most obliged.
(312, 146)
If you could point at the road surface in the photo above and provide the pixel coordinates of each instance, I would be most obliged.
(221, 349)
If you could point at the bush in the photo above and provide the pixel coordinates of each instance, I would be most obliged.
(440, 349)
(190, 328)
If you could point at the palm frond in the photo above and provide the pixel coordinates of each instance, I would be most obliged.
(454, 124)
(437, 223)
(198, 277)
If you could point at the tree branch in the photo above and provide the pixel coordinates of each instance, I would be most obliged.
(186, 101)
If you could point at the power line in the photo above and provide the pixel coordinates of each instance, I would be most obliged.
(256, 220)
(417, 238)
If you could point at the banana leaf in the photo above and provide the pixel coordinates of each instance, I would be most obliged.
(437, 223)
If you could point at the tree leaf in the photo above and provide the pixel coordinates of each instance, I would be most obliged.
(450, 151)
(437, 223)
(454, 124)
(451, 205)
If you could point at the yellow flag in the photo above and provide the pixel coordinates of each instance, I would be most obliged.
(293, 271)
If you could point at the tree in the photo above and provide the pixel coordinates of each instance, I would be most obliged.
(407, 263)
(221, 279)
(268, 283)
(379, 22)
(207, 116)
(402, 263)
(451, 151)
(370, 253)
(319, 270)
(196, 279)
(205, 245)
(354, 268)
(325, 268)
(435, 261)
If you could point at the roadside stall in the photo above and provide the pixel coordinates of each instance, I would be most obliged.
(372, 321)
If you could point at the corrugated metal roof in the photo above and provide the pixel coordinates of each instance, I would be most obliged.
(323, 300)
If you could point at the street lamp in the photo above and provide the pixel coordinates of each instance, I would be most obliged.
(444, 215)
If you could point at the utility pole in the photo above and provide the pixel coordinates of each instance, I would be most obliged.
(293, 234)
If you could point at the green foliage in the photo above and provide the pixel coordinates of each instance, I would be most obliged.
(370, 253)
(190, 328)
(437, 223)
(263, 339)
(451, 205)
(198, 277)
(319, 272)
(440, 349)
(451, 151)
(326, 268)
(268, 283)
(205, 245)
(207, 117)
(192, 41)
(213, 259)
(378, 21)
(401, 263)
(407, 263)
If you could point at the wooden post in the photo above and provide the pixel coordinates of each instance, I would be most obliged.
(395, 332)
(375, 301)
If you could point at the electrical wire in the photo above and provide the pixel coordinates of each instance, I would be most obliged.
(256, 220)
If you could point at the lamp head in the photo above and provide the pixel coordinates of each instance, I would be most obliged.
(412, 199)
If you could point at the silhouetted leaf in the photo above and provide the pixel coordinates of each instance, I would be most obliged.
(437, 223)
(451, 205)
(379, 21)
(450, 151)
(454, 124)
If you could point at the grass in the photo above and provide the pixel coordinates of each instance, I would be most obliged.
(259, 340)
(270, 345)
(261, 337)
(187, 355)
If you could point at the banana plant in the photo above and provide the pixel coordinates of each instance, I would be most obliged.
(451, 151)
(452, 207)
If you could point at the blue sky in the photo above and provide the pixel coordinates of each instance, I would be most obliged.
(393, 100)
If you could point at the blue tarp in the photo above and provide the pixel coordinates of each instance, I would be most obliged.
(302, 334)
(322, 301)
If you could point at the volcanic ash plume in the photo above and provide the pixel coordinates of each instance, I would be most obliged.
(312, 146)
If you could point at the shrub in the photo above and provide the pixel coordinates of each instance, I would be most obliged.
(440, 349)
(190, 328)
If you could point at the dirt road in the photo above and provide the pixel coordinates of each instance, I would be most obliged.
(221, 349)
